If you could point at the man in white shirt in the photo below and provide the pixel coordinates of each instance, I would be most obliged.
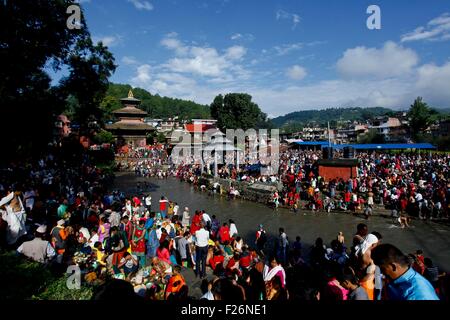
(206, 220)
(148, 202)
(201, 251)
(38, 249)
(176, 208)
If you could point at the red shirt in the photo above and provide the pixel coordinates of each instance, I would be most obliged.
(224, 234)
(163, 255)
(245, 261)
(196, 220)
(347, 197)
(215, 260)
(163, 205)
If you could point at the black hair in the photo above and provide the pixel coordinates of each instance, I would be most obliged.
(97, 244)
(387, 253)
(349, 277)
(115, 290)
(319, 242)
(204, 286)
(361, 226)
(272, 258)
(224, 289)
(428, 262)
(164, 244)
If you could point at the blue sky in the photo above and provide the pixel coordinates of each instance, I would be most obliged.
(289, 55)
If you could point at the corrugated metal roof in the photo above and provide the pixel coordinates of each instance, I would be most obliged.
(311, 143)
(386, 146)
(373, 146)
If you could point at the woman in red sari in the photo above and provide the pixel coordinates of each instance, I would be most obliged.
(224, 233)
(196, 221)
(138, 242)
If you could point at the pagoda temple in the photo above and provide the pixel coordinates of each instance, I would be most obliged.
(130, 129)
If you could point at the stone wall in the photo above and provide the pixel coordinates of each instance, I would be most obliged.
(257, 192)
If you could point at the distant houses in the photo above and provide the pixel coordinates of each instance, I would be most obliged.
(391, 129)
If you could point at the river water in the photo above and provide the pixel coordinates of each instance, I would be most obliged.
(431, 237)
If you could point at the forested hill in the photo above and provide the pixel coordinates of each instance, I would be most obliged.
(331, 114)
(155, 105)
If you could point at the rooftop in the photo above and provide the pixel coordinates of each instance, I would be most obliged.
(129, 125)
(130, 99)
(129, 110)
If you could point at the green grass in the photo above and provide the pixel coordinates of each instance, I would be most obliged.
(22, 279)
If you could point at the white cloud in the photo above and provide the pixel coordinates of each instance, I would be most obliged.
(433, 84)
(437, 29)
(142, 5)
(240, 36)
(202, 61)
(284, 49)
(109, 41)
(236, 36)
(142, 77)
(296, 72)
(172, 43)
(391, 60)
(333, 93)
(281, 14)
(287, 48)
(389, 76)
(129, 60)
(235, 52)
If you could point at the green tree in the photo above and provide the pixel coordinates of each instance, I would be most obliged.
(237, 111)
(371, 137)
(419, 115)
(33, 36)
(103, 136)
(155, 105)
(34, 39)
(90, 68)
(108, 105)
(161, 137)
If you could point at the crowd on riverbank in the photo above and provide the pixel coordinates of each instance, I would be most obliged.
(409, 185)
(61, 215)
(150, 245)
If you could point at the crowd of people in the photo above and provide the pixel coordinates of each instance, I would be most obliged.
(408, 185)
(62, 215)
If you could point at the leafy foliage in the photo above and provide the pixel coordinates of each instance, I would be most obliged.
(103, 137)
(34, 38)
(237, 111)
(321, 117)
(371, 137)
(419, 115)
(155, 105)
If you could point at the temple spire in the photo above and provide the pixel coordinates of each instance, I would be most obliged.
(130, 94)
